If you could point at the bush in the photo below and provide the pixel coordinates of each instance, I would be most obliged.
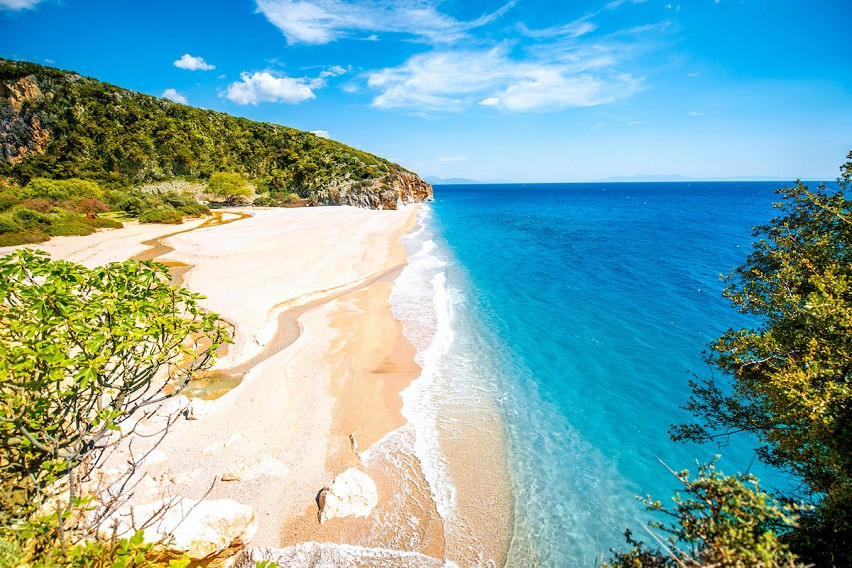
(85, 205)
(37, 204)
(161, 214)
(62, 189)
(81, 350)
(132, 204)
(723, 521)
(30, 219)
(8, 200)
(8, 224)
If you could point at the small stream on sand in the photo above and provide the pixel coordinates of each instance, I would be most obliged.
(213, 384)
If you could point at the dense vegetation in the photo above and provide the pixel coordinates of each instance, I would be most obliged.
(101, 132)
(81, 351)
(47, 208)
(789, 388)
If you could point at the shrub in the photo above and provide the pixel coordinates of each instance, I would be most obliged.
(81, 350)
(85, 205)
(132, 203)
(37, 204)
(7, 200)
(161, 214)
(30, 219)
(8, 224)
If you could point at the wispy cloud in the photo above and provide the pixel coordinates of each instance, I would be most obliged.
(191, 63)
(269, 87)
(454, 80)
(456, 158)
(18, 4)
(323, 21)
(175, 96)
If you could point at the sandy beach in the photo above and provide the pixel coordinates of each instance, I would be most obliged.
(311, 385)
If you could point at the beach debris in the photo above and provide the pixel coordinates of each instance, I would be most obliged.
(197, 529)
(352, 492)
(261, 466)
(314, 554)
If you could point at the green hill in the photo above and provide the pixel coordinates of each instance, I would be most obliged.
(60, 125)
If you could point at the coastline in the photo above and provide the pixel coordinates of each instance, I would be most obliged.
(320, 396)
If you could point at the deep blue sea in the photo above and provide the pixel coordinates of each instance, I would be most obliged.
(586, 307)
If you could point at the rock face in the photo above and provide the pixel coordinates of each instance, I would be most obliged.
(21, 130)
(198, 529)
(399, 188)
(351, 493)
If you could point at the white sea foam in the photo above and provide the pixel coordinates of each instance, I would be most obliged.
(420, 300)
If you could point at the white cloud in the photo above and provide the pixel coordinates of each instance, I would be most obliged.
(333, 71)
(321, 133)
(265, 87)
(173, 95)
(323, 21)
(695, 113)
(191, 63)
(18, 4)
(576, 28)
(454, 80)
(456, 158)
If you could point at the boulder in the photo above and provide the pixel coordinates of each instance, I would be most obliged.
(351, 493)
(259, 467)
(198, 529)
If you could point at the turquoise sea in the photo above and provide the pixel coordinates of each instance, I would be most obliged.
(582, 309)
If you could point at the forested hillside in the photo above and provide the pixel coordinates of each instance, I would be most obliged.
(60, 125)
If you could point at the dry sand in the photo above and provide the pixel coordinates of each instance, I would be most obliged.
(319, 362)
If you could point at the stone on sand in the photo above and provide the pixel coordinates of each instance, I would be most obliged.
(198, 529)
(259, 467)
(351, 493)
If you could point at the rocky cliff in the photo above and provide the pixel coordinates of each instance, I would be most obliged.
(399, 188)
(58, 124)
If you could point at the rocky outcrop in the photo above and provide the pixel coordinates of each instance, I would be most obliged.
(21, 131)
(351, 493)
(197, 529)
(313, 554)
(397, 189)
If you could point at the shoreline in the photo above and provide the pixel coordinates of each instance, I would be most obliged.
(319, 365)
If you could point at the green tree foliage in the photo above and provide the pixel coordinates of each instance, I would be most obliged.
(230, 187)
(722, 522)
(102, 132)
(81, 350)
(791, 375)
(61, 189)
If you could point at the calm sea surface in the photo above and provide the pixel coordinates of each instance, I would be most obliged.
(585, 307)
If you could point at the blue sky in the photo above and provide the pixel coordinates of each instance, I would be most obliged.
(517, 90)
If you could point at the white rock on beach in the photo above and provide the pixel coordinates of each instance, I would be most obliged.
(197, 529)
(259, 467)
(351, 493)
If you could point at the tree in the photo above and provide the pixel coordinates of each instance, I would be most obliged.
(724, 522)
(230, 187)
(81, 351)
(791, 375)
